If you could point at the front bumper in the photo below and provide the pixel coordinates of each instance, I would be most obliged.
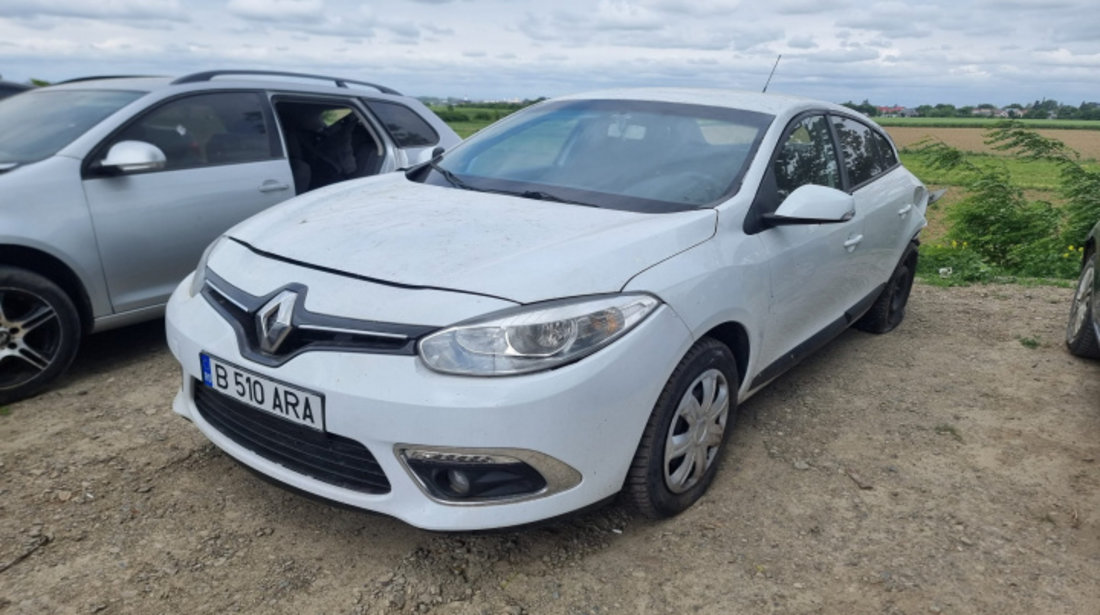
(586, 418)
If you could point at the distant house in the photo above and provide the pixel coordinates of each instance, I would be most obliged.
(896, 111)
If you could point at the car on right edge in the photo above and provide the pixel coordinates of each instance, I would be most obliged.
(567, 305)
(1083, 330)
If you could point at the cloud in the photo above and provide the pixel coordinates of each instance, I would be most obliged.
(808, 7)
(801, 42)
(278, 10)
(696, 8)
(96, 9)
(892, 50)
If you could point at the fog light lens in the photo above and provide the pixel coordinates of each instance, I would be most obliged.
(461, 477)
(459, 482)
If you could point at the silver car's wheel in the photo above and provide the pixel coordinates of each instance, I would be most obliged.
(1080, 334)
(697, 431)
(681, 447)
(39, 329)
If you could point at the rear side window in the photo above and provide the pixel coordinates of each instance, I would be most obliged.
(858, 146)
(885, 152)
(206, 130)
(406, 127)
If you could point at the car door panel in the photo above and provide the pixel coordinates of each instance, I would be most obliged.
(152, 227)
(811, 266)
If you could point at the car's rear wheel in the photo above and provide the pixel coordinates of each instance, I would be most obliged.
(39, 333)
(682, 443)
(1080, 332)
(889, 308)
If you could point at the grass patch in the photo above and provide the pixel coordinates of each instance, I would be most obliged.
(945, 429)
(1028, 174)
(465, 129)
(5, 411)
(1029, 342)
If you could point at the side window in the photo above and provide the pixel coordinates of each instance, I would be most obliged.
(206, 130)
(857, 142)
(327, 142)
(406, 127)
(806, 157)
(884, 153)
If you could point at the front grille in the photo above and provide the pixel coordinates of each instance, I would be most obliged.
(310, 331)
(326, 457)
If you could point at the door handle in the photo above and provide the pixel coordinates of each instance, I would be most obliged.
(905, 210)
(272, 185)
(853, 242)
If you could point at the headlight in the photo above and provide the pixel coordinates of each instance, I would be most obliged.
(199, 280)
(533, 338)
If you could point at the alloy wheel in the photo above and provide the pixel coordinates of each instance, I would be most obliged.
(30, 336)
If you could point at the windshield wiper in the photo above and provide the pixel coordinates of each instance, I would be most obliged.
(7, 166)
(541, 195)
(450, 176)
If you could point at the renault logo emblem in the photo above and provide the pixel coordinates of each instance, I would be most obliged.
(274, 321)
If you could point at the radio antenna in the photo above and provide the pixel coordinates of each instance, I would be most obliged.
(776, 65)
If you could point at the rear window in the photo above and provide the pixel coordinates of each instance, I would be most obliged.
(406, 127)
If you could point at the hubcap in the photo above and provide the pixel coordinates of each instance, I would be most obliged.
(1081, 299)
(30, 336)
(695, 434)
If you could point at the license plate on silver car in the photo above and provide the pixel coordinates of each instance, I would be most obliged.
(285, 401)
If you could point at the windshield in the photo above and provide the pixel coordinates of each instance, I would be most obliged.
(36, 124)
(620, 154)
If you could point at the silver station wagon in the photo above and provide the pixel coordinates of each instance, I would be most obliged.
(110, 188)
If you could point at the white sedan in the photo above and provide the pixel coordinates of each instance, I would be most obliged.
(570, 304)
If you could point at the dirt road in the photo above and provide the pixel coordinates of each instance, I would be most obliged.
(951, 466)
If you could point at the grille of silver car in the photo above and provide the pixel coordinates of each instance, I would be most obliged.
(325, 457)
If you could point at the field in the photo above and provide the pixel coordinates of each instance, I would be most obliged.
(1085, 142)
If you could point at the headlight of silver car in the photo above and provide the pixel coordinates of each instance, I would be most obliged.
(534, 337)
(199, 280)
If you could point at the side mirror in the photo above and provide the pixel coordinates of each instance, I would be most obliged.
(811, 204)
(130, 156)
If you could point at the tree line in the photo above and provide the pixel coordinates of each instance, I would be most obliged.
(1039, 110)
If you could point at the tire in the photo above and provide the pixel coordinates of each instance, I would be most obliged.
(666, 479)
(1080, 333)
(39, 333)
(888, 310)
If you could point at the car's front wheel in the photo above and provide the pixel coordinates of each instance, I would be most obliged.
(682, 443)
(39, 333)
(1080, 333)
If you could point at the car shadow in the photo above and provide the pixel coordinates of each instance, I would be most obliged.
(110, 350)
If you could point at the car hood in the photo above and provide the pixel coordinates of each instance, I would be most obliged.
(397, 231)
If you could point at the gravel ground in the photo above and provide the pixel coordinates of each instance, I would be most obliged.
(950, 466)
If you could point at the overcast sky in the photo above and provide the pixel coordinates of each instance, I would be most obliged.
(909, 53)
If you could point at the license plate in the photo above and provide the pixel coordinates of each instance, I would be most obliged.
(285, 401)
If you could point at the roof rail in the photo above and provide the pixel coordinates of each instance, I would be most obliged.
(96, 77)
(342, 83)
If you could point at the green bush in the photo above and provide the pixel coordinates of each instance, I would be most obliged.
(1079, 184)
(452, 116)
(996, 229)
